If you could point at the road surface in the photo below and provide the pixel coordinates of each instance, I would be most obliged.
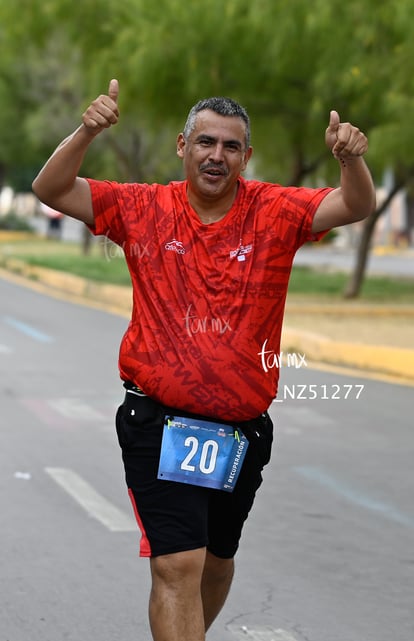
(327, 554)
(388, 264)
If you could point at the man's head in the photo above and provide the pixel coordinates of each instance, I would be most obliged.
(215, 149)
(222, 107)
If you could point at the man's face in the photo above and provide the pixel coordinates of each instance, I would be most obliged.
(214, 154)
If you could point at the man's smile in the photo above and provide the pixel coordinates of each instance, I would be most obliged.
(214, 170)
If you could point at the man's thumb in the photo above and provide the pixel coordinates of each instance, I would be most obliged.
(334, 121)
(113, 90)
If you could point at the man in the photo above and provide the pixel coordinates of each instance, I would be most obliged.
(210, 259)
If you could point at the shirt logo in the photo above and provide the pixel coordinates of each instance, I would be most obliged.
(175, 246)
(241, 252)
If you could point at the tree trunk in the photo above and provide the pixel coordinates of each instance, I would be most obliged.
(356, 280)
(354, 284)
(410, 219)
(2, 176)
(86, 241)
(129, 161)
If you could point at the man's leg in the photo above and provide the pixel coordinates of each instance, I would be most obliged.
(176, 608)
(227, 515)
(215, 585)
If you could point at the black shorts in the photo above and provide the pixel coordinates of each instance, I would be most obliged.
(174, 517)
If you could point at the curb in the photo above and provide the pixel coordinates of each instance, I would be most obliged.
(114, 296)
(376, 359)
(350, 309)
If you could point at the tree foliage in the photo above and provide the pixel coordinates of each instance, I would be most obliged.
(288, 61)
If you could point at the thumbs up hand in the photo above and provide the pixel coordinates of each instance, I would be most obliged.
(343, 139)
(103, 111)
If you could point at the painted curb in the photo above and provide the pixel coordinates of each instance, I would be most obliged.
(393, 361)
(112, 295)
(350, 309)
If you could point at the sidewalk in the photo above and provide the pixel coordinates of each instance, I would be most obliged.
(377, 339)
(374, 338)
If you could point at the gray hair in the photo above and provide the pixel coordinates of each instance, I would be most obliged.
(221, 106)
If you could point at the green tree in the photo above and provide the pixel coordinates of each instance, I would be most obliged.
(391, 64)
(288, 61)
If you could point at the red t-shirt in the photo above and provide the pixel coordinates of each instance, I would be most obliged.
(208, 300)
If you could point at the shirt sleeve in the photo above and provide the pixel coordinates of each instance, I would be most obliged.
(106, 210)
(319, 235)
(310, 236)
(298, 208)
(112, 202)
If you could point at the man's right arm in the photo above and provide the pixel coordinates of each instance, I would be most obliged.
(58, 184)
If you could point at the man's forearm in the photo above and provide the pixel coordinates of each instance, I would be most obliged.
(59, 174)
(357, 187)
(58, 184)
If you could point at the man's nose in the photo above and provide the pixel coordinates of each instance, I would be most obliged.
(217, 153)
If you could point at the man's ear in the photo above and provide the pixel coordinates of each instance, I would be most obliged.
(247, 156)
(180, 145)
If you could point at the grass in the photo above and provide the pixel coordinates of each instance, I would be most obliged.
(106, 264)
(96, 268)
(305, 280)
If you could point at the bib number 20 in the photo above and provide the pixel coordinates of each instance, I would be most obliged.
(208, 456)
(201, 453)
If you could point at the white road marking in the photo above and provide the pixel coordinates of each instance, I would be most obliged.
(354, 495)
(5, 349)
(28, 330)
(94, 503)
(260, 633)
(24, 476)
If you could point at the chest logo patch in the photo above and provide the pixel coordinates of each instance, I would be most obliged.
(175, 246)
(241, 252)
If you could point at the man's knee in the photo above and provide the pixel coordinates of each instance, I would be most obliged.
(217, 569)
(172, 569)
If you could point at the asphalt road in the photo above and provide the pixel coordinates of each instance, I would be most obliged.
(327, 257)
(327, 554)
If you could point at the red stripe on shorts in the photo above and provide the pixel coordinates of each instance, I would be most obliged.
(145, 547)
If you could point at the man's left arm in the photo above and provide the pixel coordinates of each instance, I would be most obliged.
(355, 198)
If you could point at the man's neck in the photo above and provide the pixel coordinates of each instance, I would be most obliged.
(214, 210)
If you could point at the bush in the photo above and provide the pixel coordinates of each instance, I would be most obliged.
(12, 222)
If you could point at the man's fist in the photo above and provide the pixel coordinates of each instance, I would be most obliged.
(103, 112)
(343, 139)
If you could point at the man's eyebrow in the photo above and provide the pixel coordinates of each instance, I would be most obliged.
(205, 137)
(208, 138)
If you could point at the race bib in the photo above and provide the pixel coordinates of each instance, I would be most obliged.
(201, 453)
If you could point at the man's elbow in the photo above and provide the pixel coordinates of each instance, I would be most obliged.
(42, 190)
(363, 211)
(38, 190)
